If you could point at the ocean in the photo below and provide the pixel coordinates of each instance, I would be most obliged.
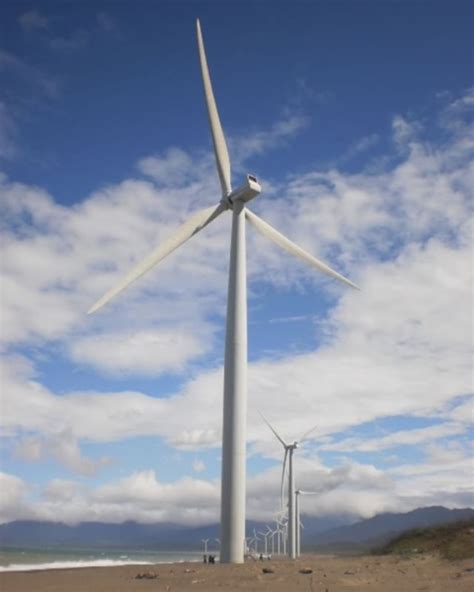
(12, 559)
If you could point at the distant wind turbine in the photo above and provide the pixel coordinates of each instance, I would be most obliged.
(289, 449)
(299, 492)
(235, 365)
(265, 538)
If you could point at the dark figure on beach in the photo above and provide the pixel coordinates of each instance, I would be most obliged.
(204, 558)
(212, 559)
(261, 557)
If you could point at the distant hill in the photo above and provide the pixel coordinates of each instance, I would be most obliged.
(29, 533)
(383, 527)
(451, 541)
(322, 534)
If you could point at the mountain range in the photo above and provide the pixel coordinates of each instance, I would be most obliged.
(330, 533)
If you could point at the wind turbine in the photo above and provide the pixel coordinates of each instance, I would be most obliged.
(247, 543)
(299, 492)
(272, 534)
(255, 540)
(289, 450)
(235, 364)
(265, 538)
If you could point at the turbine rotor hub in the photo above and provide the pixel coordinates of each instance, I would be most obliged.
(246, 192)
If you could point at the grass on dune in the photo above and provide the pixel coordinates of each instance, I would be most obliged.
(451, 541)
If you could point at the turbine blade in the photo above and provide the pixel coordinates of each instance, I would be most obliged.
(196, 223)
(285, 243)
(273, 429)
(218, 138)
(307, 433)
(283, 476)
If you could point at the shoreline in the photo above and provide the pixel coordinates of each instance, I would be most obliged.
(332, 573)
(35, 559)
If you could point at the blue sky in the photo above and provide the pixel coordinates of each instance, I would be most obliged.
(357, 119)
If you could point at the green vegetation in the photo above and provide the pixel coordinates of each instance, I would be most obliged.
(451, 541)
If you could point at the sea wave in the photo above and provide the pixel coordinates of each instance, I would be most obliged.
(72, 564)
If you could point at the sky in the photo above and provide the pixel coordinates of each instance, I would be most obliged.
(357, 119)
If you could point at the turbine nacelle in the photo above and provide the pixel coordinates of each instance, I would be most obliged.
(246, 192)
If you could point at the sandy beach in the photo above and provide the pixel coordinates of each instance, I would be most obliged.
(329, 574)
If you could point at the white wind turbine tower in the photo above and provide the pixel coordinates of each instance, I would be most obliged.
(235, 365)
(289, 449)
(299, 492)
(265, 536)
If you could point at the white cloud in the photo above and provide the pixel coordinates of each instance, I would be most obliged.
(354, 489)
(258, 141)
(362, 145)
(144, 351)
(398, 438)
(61, 491)
(12, 492)
(401, 346)
(446, 453)
(143, 497)
(174, 168)
(404, 131)
(62, 261)
(464, 412)
(444, 479)
(198, 466)
(62, 447)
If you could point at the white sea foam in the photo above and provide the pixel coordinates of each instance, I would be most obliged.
(72, 564)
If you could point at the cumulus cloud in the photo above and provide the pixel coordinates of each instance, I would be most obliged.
(174, 168)
(68, 257)
(145, 352)
(143, 497)
(62, 447)
(399, 347)
(139, 496)
(12, 505)
(353, 489)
